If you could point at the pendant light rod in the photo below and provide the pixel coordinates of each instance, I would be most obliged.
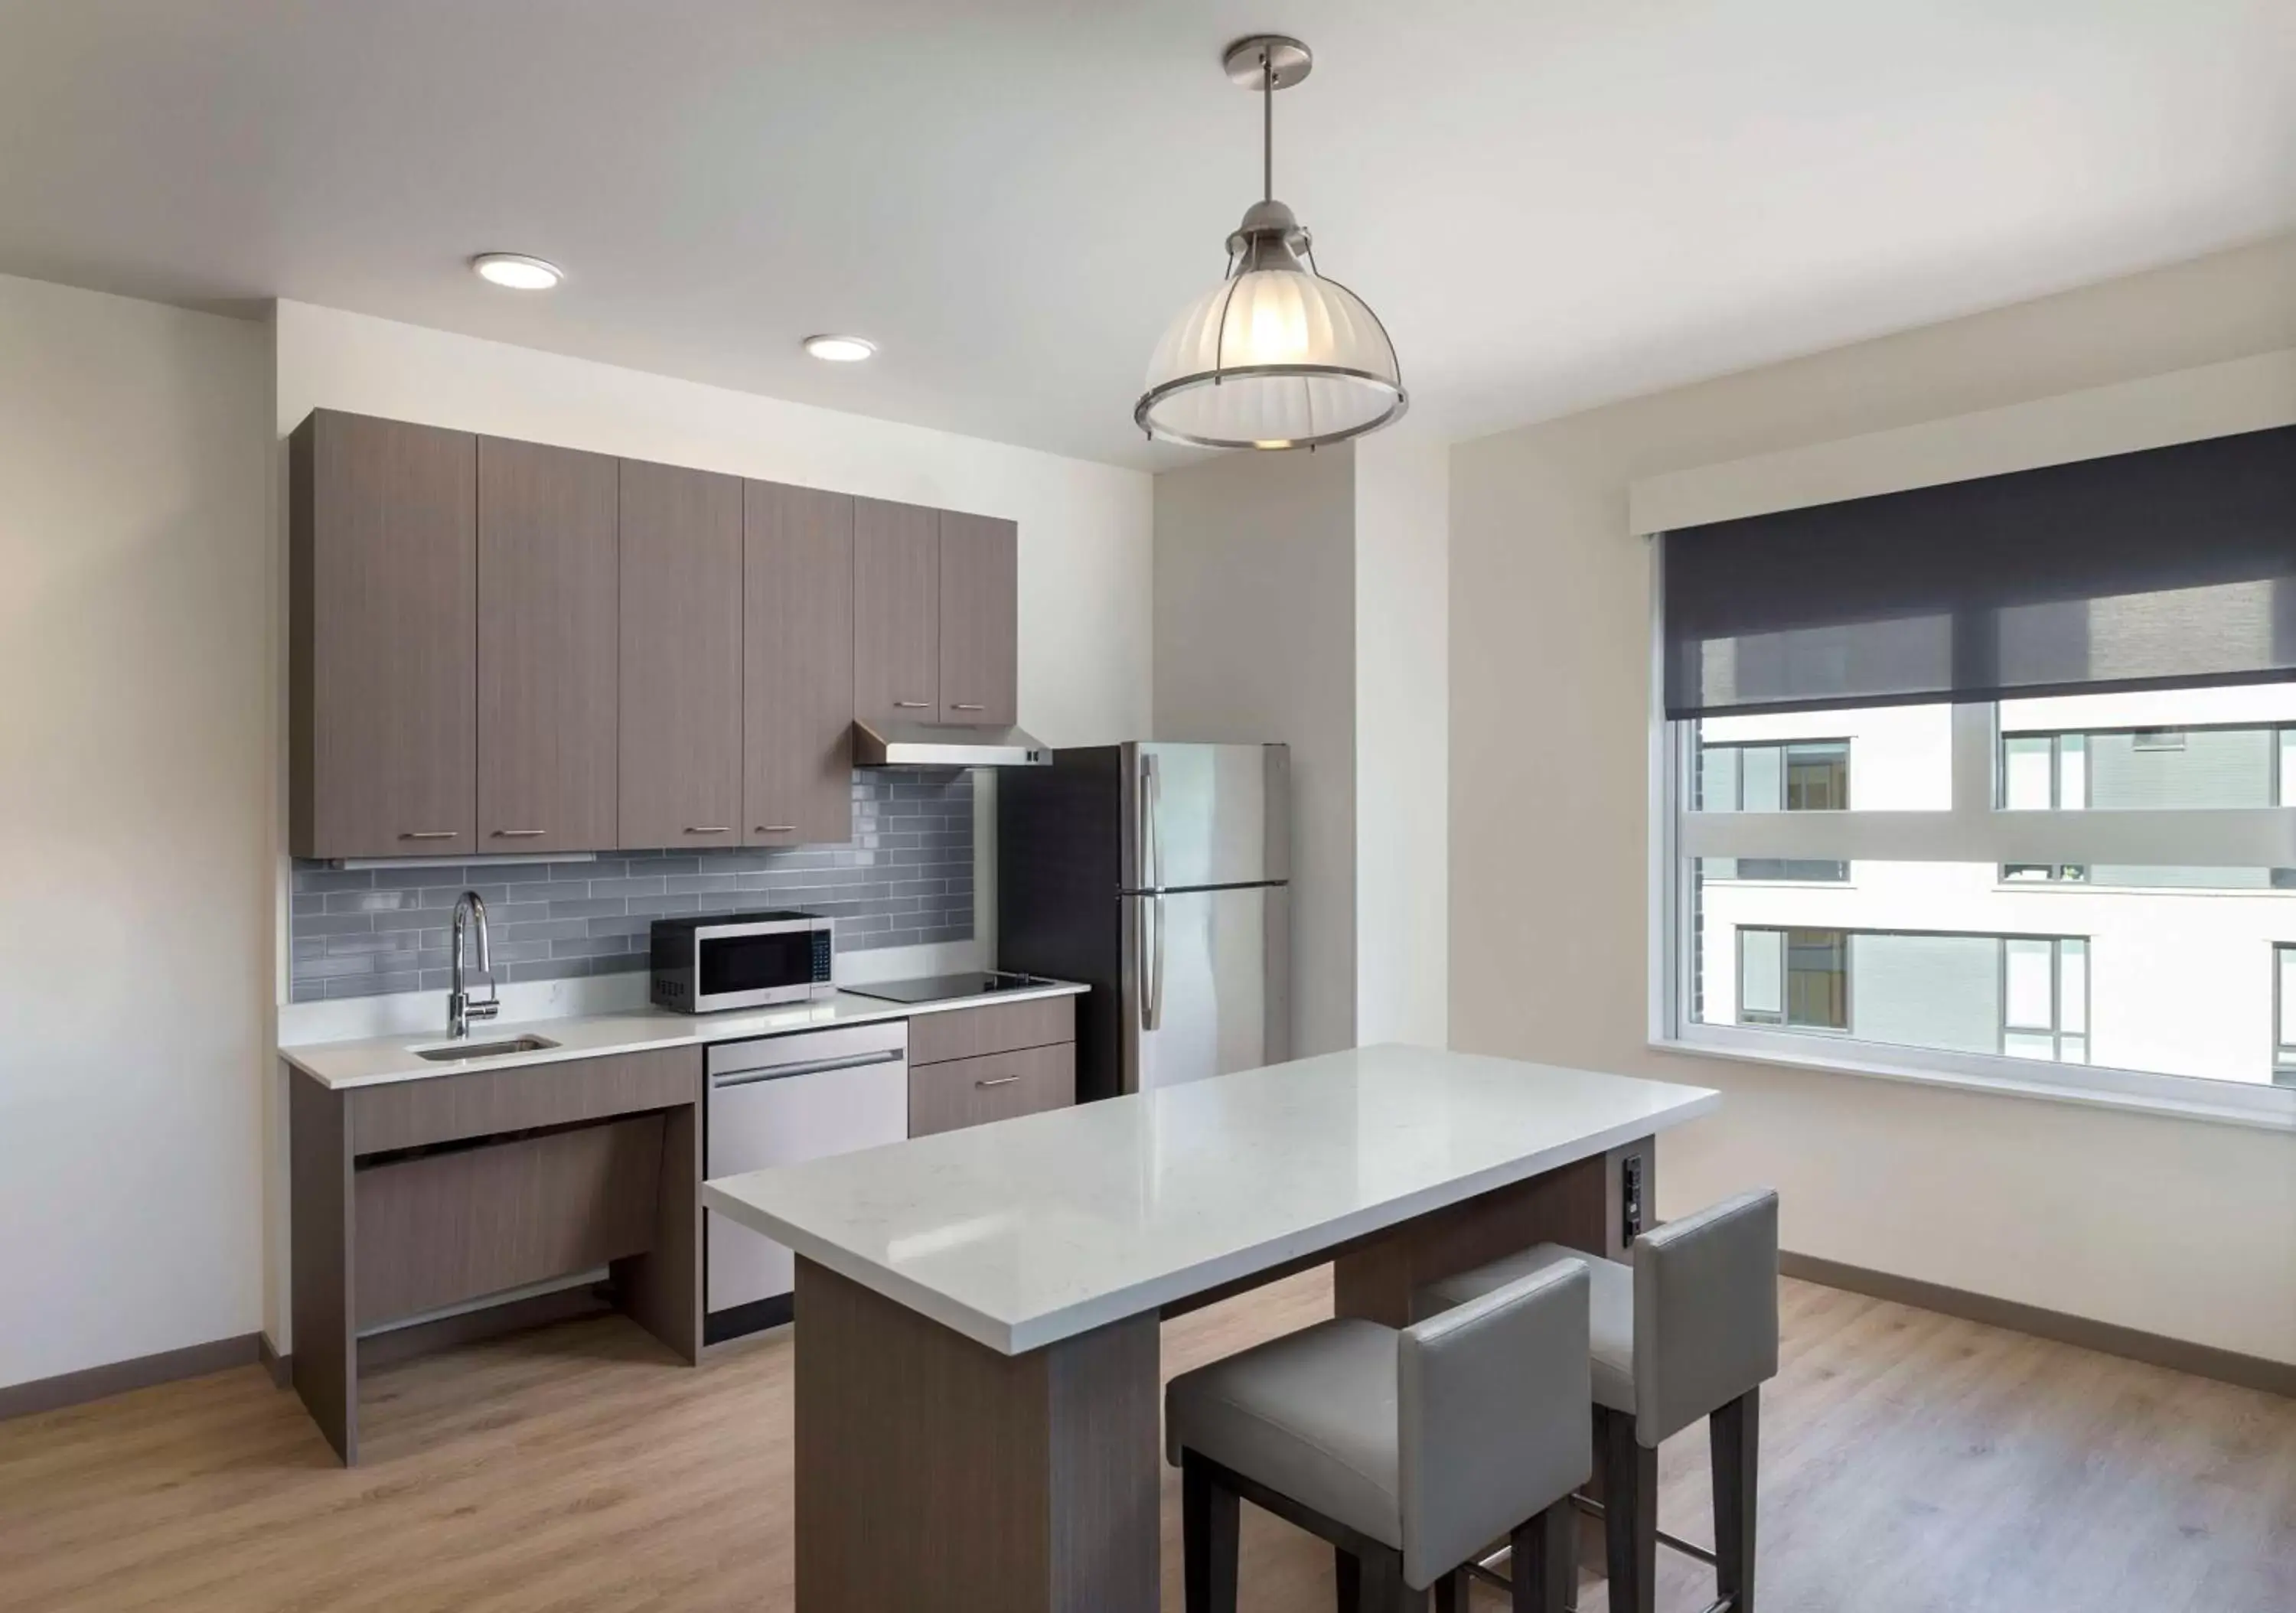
(1266, 124)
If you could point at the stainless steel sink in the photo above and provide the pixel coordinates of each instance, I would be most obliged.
(449, 1052)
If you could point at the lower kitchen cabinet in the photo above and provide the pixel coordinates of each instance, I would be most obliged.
(411, 1197)
(995, 1087)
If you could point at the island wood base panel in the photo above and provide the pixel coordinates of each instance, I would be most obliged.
(934, 1474)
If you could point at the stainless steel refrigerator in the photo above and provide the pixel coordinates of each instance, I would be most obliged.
(1157, 875)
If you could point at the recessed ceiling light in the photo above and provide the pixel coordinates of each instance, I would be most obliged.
(516, 271)
(840, 350)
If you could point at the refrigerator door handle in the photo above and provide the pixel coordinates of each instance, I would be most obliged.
(1152, 964)
(1152, 824)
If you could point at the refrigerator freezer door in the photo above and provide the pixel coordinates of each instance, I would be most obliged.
(1205, 814)
(1205, 984)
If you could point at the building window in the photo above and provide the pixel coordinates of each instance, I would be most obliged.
(2094, 881)
(1802, 775)
(1794, 977)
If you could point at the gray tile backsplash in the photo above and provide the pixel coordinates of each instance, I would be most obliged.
(907, 879)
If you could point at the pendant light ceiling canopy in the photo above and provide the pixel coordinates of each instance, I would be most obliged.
(1275, 356)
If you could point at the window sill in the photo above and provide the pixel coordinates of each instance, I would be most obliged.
(2260, 1107)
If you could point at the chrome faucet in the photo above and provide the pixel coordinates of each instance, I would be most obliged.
(460, 1009)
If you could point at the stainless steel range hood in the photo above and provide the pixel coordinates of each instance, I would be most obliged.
(944, 745)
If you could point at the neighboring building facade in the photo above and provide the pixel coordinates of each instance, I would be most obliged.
(2182, 969)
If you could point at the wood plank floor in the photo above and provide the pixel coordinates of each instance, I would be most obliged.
(1910, 1461)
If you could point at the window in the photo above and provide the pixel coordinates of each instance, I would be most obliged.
(1993, 926)
(2069, 697)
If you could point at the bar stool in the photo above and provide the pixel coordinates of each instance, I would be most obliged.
(1689, 1331)
(1409, 1451)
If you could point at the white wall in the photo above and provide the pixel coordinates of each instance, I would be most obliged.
(1255, 642)
(134, 826)
(1084, 528)
(2177, 1227)
(1403, 738)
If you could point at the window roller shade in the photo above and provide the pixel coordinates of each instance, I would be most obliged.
(2167, 567)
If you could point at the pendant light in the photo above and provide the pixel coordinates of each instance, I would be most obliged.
(1275, 356)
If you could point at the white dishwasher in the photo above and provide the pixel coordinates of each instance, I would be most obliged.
(778, 1100)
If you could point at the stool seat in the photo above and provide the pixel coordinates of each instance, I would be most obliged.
(1409, 1452)
(1609, 1310)
(1311, 1414)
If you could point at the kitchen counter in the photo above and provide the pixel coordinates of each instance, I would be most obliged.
(1022, 1235)
(373, 1061)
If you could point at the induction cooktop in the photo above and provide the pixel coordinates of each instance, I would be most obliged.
(940, 988)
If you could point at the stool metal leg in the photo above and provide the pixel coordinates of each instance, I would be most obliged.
(1630, 1515)
(1208, 1538)
(1381, 1587)
(1451, 1593)
(1734, 1435)
(1545, 1563)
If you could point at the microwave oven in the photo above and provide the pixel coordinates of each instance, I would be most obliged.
(740, 960)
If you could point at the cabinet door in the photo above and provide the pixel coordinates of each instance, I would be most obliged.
(979, 625)
(895, 612)
(547, 587)
(382, 571)
(797, 637)
(681, 657)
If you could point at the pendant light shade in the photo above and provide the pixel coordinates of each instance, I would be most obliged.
(1274, 356)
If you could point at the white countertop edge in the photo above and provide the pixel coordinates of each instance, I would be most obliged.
(1019, 1338)
(694, 1030)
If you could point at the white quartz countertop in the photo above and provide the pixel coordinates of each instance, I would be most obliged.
(1028, 1231)
(372, 1060)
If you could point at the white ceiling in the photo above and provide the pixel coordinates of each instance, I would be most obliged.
(1551, 202)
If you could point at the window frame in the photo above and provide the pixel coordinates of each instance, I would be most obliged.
(2284, 1017)
(1971, 829)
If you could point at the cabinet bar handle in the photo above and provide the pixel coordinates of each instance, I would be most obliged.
(709, 829)
(999, 1081)
(912, 705)
(961, 706)
(776, 829)
(519, 835)
(429, 834)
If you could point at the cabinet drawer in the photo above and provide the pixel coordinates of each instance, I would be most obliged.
(437, 1229)
(967, 1033)
(971, 1092)
(408, 1114)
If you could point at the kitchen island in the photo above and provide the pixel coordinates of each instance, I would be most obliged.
(977, 1360)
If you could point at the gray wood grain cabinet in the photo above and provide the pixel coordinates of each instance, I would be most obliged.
(895, 612)
(980, 626)
(681, 657)
(797, 649)
(382, 638)
(548, 585)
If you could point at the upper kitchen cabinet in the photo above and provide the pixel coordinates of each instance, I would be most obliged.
(382, 640)
(681, 657)
(980, 626)
(896, 572)
(548, 588)
(796, 632)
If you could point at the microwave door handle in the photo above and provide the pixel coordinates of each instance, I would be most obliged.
(814, 1066)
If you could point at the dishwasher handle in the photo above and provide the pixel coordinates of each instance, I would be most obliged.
(816, 1067)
